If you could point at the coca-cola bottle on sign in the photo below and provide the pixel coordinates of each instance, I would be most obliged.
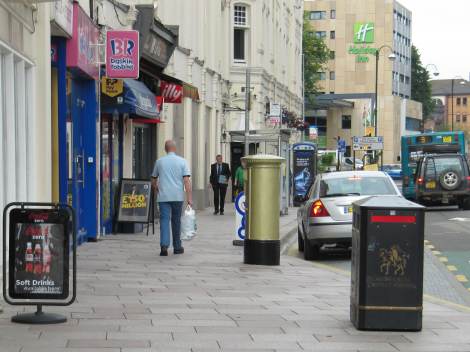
(28, 267)
(37, 259)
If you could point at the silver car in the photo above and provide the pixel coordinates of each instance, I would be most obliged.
(326, 215)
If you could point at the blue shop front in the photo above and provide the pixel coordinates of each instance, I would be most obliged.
(75, 119)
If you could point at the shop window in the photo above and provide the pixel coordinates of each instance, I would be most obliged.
(332, 34)
(333, 14)
(318, 15)
(346, 122)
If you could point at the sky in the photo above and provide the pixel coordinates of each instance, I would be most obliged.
(441, 32)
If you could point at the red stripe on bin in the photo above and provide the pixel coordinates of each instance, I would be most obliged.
(403, 219)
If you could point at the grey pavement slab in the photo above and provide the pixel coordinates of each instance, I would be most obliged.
(132, 300)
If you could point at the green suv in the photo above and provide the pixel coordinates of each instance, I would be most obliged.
(443, 179)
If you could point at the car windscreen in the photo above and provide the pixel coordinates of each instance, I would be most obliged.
(360, 186)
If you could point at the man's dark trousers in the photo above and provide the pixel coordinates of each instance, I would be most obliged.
(220, 190)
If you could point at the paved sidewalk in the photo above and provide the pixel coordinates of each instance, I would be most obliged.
(132, 300)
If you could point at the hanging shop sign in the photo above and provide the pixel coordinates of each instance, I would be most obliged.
(112, 87)
(122, 54)
(313, 132)
(158, 42)
(62, 16)
(171, 92)
(134, 201)
(82, 47)
(191, 92)
(275, 112)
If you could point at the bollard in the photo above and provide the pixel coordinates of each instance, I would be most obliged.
(262, 245)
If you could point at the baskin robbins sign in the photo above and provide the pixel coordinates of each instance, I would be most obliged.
(122, 54)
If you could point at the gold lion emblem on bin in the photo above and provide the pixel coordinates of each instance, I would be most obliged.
(393, 261)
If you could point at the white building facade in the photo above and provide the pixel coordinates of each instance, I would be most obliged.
(25, 130)
(217, 42)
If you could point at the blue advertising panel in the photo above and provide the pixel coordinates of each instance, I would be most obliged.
(304, 169)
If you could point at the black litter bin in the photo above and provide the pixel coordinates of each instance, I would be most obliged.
(387, 264)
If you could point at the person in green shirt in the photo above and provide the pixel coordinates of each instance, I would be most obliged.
(239, 177)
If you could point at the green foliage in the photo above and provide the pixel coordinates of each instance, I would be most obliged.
(420, 85)
(316, 55)
(326, 160)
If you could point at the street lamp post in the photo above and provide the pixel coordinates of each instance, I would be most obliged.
(391, 57)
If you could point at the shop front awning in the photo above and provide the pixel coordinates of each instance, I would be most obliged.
(135, 99)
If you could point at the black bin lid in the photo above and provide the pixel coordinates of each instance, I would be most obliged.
(387, 202)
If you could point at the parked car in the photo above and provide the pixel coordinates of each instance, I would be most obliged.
(347, 164)
(325, 217)
(443, 179)
(393, 170)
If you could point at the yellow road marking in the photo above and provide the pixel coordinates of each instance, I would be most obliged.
(443, 259)
(427, 297)
(451, 267)
(461, 278)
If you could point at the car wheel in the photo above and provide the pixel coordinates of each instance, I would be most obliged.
(311, 251)
(465, 204)
(300, 240)
(450, 179)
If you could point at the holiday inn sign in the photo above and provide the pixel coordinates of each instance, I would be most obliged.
(364, 33)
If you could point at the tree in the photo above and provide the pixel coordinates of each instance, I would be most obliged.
(316, 55)
(420, 85)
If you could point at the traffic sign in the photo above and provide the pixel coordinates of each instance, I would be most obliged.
(341, 146)
(368, 143)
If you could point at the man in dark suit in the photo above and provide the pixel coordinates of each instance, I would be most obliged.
(220, 174)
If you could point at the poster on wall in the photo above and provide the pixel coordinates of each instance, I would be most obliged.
(134, 201)
(305, 156)
(39, 254)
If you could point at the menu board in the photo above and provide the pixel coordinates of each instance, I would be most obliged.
(134, 201)
(39, 254)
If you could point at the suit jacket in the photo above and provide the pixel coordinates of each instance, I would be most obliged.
(225, 171)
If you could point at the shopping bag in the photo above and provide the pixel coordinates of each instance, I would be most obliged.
(188, 224)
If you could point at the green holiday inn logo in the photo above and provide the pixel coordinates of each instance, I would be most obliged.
(363, 32)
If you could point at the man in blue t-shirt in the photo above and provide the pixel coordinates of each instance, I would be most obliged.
(171, 180)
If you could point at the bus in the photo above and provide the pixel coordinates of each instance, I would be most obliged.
(415, 146)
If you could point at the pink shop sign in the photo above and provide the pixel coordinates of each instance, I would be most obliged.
(122, 54)
(82, 48)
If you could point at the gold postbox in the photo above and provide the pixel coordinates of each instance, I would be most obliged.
(262, 186)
